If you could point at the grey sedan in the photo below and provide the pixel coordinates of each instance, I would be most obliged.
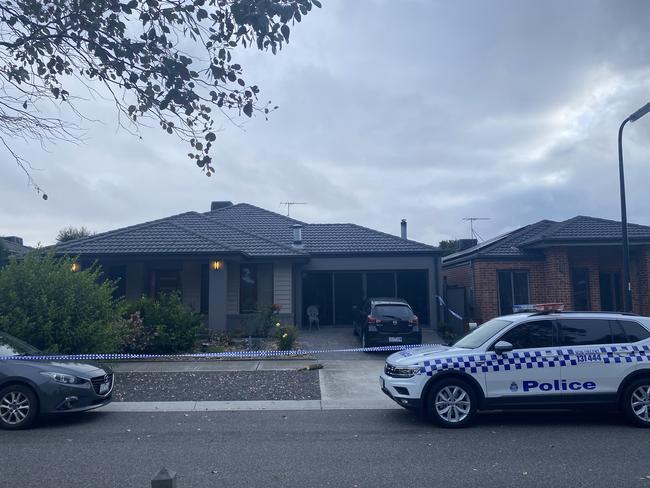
(29, 388)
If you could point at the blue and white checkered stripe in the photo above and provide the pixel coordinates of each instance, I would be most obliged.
(216, 355)
(552, 358)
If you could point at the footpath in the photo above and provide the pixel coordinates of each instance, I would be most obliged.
(343, 381)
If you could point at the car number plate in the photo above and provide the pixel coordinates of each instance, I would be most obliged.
(104, 387)
(394, 339)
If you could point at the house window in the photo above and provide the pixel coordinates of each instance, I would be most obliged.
(166, 281)
(580, 288)
(117, 273)
(611, 292)
(513, 290)
(247, 288)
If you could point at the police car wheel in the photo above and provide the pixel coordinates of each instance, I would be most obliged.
(451, 403)
(636, 402)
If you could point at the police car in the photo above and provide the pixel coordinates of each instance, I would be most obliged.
(542, 359)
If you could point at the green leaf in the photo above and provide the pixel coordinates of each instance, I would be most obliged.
(285, 32)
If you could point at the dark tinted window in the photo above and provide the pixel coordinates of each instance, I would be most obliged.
(513, 290)
(584, 332)
(635, 331)
(399, 312)
(618, 334)
(538, 333)
(580, 288)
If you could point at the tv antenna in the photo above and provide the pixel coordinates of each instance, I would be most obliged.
(471, 220)
(290, 204)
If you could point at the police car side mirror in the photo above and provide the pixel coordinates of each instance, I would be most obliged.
(502, 346)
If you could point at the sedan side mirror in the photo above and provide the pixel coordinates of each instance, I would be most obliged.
(502, 346)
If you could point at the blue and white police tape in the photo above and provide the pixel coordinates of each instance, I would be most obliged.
(442, 303)
(216, 355)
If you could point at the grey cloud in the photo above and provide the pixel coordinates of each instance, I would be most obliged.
(417, 109)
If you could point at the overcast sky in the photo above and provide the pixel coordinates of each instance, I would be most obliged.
(419, 109)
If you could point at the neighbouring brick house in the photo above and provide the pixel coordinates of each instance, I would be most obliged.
(577, 262)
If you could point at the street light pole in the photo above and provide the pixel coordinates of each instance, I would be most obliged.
(627, 307)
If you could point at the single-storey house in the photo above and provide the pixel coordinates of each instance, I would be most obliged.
(577, 263)
(13, 246)
(229, 262)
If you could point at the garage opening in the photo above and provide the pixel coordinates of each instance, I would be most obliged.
(335, 294)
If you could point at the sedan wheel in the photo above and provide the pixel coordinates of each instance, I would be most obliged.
(18, 407)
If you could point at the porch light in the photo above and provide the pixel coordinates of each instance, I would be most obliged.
(75, 267)
(216, 264)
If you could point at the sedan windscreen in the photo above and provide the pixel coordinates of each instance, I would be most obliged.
(11, 346)
(392, 312)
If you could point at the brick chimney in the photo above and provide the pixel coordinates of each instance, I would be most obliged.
(219, 204)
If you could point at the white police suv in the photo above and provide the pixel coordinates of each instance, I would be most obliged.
(544, 359)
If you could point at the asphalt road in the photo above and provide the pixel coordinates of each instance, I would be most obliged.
(345, 448)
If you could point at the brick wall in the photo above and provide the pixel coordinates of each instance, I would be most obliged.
(550, 279)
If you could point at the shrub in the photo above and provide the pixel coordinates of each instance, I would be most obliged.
(46, 304)
(286, 336)
(167, 326)
(266, 319)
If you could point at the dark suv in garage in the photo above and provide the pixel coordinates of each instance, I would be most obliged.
(387, 321)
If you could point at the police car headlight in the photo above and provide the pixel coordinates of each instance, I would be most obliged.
(401, 371)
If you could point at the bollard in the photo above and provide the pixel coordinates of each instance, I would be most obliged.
(164, 479)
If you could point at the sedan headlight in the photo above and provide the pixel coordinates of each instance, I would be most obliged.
(66, 379)
(401, 371)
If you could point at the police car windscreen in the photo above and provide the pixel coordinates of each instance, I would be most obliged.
(482, 334)
(395, 312)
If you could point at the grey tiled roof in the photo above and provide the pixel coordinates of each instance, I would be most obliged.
(14, 247)
(241, 229)
(317, 238)
(352, 238)
(505, 245)
(525, 241)
(583, 228)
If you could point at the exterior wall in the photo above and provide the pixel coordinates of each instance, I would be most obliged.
(643, 279)
(217, 311)
(385, 263)
(283, 286)
(459, 275)
(191, 283)
(550, 279)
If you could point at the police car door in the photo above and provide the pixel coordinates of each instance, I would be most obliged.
(532, 362)
(590, 348)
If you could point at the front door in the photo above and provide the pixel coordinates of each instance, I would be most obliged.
(529, 367)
